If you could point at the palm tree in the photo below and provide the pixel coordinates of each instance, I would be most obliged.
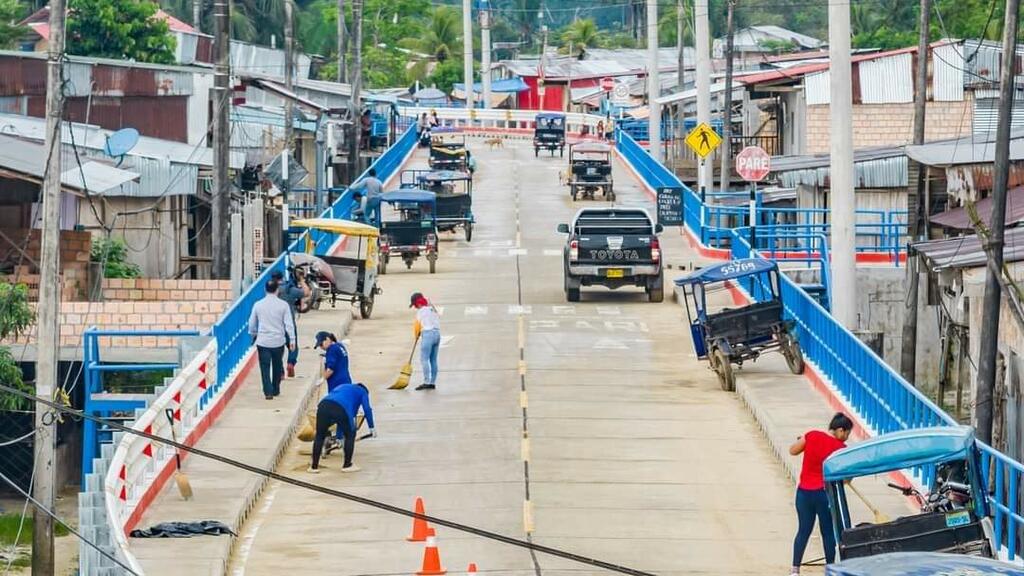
(442, 38)
(583, 34)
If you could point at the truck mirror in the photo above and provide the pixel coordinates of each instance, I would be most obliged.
(658, 228)
(563, 228)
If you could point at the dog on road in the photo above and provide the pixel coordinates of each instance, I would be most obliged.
(495, 142)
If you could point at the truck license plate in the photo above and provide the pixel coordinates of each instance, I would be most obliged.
(614, 273)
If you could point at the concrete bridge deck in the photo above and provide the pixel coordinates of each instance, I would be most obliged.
(609, 439)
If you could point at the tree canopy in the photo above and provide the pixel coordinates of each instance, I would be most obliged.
(122, 29)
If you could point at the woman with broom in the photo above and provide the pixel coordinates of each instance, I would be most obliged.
(811, 500)
(427, 329)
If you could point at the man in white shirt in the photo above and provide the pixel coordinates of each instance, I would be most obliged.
(272, 327)
(428, 329)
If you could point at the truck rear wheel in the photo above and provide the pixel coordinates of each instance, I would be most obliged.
(656, 288)
(572, 288)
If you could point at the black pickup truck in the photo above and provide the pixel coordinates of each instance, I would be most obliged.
(613, 247)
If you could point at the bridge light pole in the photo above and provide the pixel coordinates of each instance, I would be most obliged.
(467, 52)
(653, 81)
(485, 51)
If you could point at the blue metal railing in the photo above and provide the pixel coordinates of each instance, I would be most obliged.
(883, 400)
(231, 330)
(711, 222)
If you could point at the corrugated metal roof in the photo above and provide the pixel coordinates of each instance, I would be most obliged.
(982, 58)
(887, 80)
(967, 252)
(636, 58)
(974, 149)
(873, 168)
(29, 159)
(565, 68)
(817, 88)
(254, 59)
(960, 219)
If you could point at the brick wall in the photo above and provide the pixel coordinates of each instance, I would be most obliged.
(890, 124)
(75, 317)
(153, 289)
(74, 261)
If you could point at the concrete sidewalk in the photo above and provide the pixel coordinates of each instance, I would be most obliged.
(251, 429)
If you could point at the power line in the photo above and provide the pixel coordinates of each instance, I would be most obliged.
(52, 514)
(335, 493)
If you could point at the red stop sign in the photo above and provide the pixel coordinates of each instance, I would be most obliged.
(607, 83)
(753, 164)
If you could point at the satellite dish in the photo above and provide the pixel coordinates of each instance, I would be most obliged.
(121, 142)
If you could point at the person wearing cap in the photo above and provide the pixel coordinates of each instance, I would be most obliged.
(336, 370)
(293, 291)
(428, 329)
(340, 407)
(272, 328)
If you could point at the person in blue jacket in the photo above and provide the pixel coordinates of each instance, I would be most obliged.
(340, 407)
(336, 370)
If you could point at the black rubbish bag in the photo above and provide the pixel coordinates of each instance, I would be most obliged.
(183, 530)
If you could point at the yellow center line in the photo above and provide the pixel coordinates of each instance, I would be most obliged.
(524, 400)
(527, 516)
(524, 449)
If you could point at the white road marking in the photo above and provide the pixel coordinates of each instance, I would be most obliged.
(482, 252)
(552, 252)
(517, 251)
(625, 326)
(516, 309)
(446, 340)
(609, 310)
(543, 324)
(610, 344)
(476, 310)
(249, 537)
(563, 310)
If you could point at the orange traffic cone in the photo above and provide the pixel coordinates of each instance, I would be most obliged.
(420, 529)
(431, 560)
(472, 568)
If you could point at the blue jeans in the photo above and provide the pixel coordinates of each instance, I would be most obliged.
(430, 344)
(811, 504)
(271, 369)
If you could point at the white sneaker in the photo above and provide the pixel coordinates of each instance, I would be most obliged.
(351, 468)
(312, 470)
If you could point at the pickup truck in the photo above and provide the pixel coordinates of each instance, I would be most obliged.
(613, 247)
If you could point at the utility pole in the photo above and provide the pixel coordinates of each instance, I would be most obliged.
(357, 82)
(908, 353)
(702, 45)
(994, 241)
(221, 205)
(653, 81)
(467, 52)
(485, 52)
(289, 118)
(844, 262)
(49, 301)
(197, 14)
(726, 176)
(680, 47)
(342, 72)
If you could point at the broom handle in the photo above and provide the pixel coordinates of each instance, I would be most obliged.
(863, 499)
(170, 418)
(413, 351)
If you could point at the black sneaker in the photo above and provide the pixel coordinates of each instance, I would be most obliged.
(425, 387)
(269, 397)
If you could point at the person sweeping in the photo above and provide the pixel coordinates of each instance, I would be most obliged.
(427, 329)
(340, 407)
(811, 499)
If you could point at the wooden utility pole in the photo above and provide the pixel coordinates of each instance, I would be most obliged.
(289, 116)
(908, 353)
(49, 301)
(221, 202)
(726, 176)
(342, 48)
(989, 341)
(357, 81)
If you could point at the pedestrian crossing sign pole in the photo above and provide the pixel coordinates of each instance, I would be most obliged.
(703, 140)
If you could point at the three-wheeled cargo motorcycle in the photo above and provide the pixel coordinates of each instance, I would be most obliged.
(408, 227)
(351, 272)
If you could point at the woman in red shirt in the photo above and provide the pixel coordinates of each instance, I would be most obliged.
(811, 500)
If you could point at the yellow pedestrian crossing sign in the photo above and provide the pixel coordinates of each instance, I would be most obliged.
(703, 140)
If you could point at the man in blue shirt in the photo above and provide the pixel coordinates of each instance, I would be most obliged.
(340, 407)
(335, 360)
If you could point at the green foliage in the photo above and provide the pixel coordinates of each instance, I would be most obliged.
(122, 29)
(778, 46)
(582, 34)
(442, 38)
(15, 317)
(113, 252)
(446, 74)
(620, 40)
(11, 11)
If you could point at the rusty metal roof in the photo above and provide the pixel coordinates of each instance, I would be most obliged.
(960, 218)
(967, 252)
(977, 148)
(22, 159)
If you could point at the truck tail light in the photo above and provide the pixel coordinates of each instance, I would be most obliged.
(655, 250)
(431, 240)
(574, 250)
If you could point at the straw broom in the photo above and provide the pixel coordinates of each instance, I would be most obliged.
(180, 478)
(406, 374)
